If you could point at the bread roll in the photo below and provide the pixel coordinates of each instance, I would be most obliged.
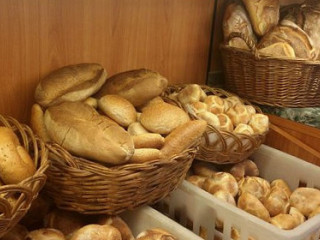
(232, 101)
(142, 155)
(215, 104)
(225, 122)
(239, 114)
(119, 224)
(235, 19)
(65, 221)
(97, 232)
(306, 200)
(297, 214)
(259, 123)
(279, 49)
(82, 131)
(136, 129)
(225, 196)
(221, 181)
(70, 83)
(37, 122)
(243, 169)
(251, 110)
(243, 129)
(277, 202)
(315, 212)
(148, 140)
(153, 101)
(256, 186)
(204, 169)
(18, 232)
(190, 94)
(155, 234)
(15, 162)
(93, 102)
(196, 107)
(264, 14)
(237, 42)
(196, 180)
(252, 205)
(118, 108)
(137, 86)
(162, 118)
(183, 137)
(210, 118)
(280, 183)
(284, 221)
(45, 234)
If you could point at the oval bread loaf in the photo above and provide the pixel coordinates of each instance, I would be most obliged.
(148, 140)
(70, 83)
(37, 122)
(85, 133)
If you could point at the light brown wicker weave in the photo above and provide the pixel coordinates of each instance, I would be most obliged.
(87, 187)
(271, 81)
(229, 147)
(16, 199)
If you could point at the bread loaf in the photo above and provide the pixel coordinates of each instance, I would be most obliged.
(279, 49)
(243, 169)
(15, 162)
(93, 102)
(210, 118)
(196, 180)
(148, 140)
(190, 94)
(136, 128)
(225, 122)
(239, 114)
(118, 108)
(97, 232)
(70, 83)
(204, 169)
(37, 122)
(45, 234)
(155, 234)
(137, 86)
(119, 224)
(306, 200)
(221, 181)
(183, 137)
(162, 118)
(82, 131)
(256, 186)
(142, 155)
(264, 14)
(215, 104)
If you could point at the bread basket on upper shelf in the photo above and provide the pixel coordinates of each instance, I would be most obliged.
(16, 199)
(228, 147)
(268, 80)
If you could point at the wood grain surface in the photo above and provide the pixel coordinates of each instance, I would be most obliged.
(38, 36)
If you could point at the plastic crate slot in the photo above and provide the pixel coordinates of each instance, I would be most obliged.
(203, 232)
(235, 233)
(302, 183)
(177, 215)
(189, 224)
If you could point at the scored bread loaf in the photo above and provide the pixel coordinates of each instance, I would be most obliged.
(37, 122)
(15, 162)
(279, 49)
(137, 86)
(70, 83)
(85, 133)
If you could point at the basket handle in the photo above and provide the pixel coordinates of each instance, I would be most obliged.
(251, 44)
(60, 155)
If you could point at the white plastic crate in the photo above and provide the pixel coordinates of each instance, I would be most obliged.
(146, 217)
(194, 208)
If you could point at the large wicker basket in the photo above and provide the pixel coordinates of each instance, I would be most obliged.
(271, 81)
(88, 187)
(16, 199)
(228, 148)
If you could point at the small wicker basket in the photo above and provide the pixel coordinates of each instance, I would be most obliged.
(270, 81)
(16, 199)
(228, 147)
(88, 187)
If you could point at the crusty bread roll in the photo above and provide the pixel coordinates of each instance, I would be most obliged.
(215, 104)
(37, 122)
(264, 14)
(280, 183)
(148, 140)
(119, 224)
(162, 118)
(190, 94)
(221, 181)
(305, 199)
(15, 162)
(153, 101)
(18, 232)
(204, 169)
(232, 101)
(225, 196)
(243, 169)
(300, 218)
(137, 86)
(196, 107)
(259, 123)
(91, 101)
(315, 212)
(196, 180)
(118, 108)
(183, 137)
(136, 128)
(252, 205)
(142, 155)
(278, 49)
(70, 83)
(277, 202)
(235, 19)
(292, 34)
(210, 118)
(155, 234)
(244, 129)
(45, 234)
(256, 186)
(82, 131)
(239, 114)
(97, 232)
(284, 221)
(225, 122)
(65, 221)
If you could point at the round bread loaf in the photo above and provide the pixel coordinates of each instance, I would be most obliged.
(15, 162)
(45, 234)
(97, 232)
(118, 108)
(81, 130)
(70, 83)
(137, 86)
(162, 118)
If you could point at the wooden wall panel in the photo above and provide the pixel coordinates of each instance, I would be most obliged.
(37, 36)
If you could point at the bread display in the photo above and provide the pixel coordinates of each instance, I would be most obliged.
(70, 83)
(137, 86)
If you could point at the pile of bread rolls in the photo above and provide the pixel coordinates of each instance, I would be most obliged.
(283, 32)
(63, 225)
(116, 120)
(224, 113)
(241, 186)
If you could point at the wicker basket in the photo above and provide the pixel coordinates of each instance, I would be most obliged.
(16, 199)
(229, 147)
(88, 187)
(271, 81)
